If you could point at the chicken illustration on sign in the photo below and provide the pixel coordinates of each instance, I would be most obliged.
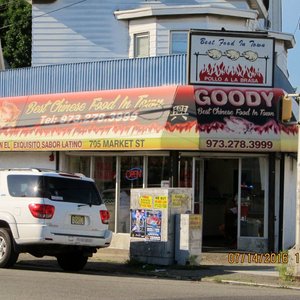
(232, 54)
(230, 73)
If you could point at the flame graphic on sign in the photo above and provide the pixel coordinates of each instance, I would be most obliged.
(80, 130)
(270, 127)
(223, 73)
(191, 126)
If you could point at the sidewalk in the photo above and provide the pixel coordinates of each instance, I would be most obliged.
(215, 266)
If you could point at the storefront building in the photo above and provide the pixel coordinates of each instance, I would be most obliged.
(224, 142)
(140, 122)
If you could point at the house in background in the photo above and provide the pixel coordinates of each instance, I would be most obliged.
(68, 31)
(119, 50)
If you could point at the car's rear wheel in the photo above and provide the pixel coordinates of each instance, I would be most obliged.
(72, 261)
(8, 256)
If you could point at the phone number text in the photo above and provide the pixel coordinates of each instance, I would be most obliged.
(239, 144)
(97, 117)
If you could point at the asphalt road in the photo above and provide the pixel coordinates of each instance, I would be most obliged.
(42, 281)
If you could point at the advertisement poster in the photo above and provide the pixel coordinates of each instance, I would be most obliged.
(231, 59)
(160, 202)
(153, 225)
(145, 201)
(146, 224)
(138, 223)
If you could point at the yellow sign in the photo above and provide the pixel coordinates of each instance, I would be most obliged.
(177, 199)
(161, 202)
(195, 221)
(145, 201)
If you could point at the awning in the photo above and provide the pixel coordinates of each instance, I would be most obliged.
(158, 118)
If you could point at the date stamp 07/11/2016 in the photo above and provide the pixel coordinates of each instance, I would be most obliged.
(261, 258)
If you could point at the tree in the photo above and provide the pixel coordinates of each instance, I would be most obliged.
(15, 32)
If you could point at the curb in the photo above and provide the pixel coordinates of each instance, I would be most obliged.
(234, 282)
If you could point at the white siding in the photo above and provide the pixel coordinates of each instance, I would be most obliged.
(290, 195)
(67, 31)
(90, 27)
(165, 26)
(281, 57)
(275, 15)
(277, 208)
(26, 159)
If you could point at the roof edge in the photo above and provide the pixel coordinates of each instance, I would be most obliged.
(149, 11)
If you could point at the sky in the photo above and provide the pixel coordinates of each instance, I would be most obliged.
(290, 24)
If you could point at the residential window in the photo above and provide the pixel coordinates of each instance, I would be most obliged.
(178, 43)
(141, 45)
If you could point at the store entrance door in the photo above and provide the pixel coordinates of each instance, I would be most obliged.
(220, 190)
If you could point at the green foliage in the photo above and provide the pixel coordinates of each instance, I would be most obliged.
(284, 273)
(15, 32)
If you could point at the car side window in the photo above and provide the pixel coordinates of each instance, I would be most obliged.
(24, 185)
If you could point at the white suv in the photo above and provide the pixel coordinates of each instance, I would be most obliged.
(49, 213)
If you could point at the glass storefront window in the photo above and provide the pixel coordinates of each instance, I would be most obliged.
(80, 164)
(158, 170)
(131, 176)
(105, 178)
(186, 172)
(253, 197)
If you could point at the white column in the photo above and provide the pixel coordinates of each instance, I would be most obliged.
(275, 15)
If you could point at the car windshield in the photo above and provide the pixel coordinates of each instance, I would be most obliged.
(54, 188)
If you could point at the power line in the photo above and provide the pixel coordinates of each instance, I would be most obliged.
(63, 7)
(41, 15)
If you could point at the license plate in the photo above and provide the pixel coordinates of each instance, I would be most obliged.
(77, 220)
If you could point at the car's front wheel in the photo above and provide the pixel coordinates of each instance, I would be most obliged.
(8, 256)
(72, 261)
